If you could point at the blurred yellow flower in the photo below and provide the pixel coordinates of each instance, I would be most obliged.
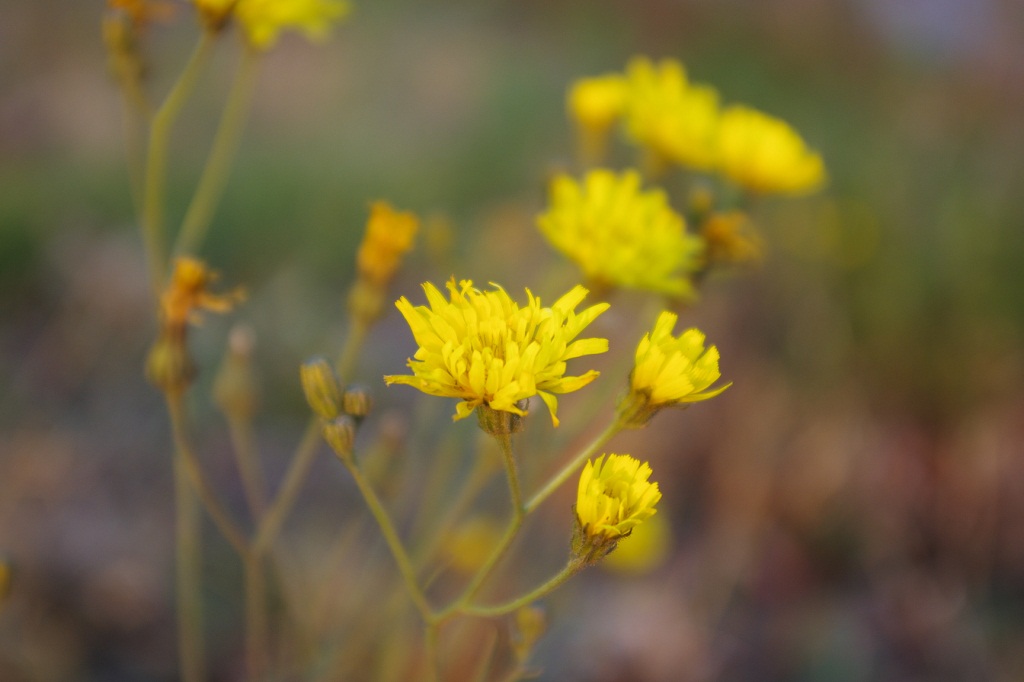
(669, 115)
(485, 349)
(730, 239)
(669, 370)
(765, 155)
(619, 235)
(614, 496)
(389, 235)
(594, 105)
(263, 20)
(469, 545)
(188, 293)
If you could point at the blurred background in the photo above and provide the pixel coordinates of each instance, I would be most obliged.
(851, 509)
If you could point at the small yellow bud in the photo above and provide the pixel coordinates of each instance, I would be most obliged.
(320, 385)
(340, 434)
(356, 401)
(168, 365)
(528, 628)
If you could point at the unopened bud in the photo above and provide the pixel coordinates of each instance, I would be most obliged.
(356, 401)
(168, 365)
(235, 389)
(340, 434)
(321, 387)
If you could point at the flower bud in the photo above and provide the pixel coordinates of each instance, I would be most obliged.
(340, 434)
(236, 389)
(498, 422)
(320, 385)
(356, 401)
(168, 365)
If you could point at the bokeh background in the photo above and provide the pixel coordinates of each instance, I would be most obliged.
(852, 509)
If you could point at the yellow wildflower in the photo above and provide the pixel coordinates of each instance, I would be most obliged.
(263, 20)
(614, 496)
(485, 349)
(594, 105)
(619, 235)
(389, 235)
(765, 155)
(669, 370)
(669, 115)
(188, 293)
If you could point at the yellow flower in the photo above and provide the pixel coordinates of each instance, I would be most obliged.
(485, 349)
(764, 154)
(594, 105)
(614, 496)
(669, 370)
(188, 293)
(670, 116)
(619, 235)
(389, 235)
(263, 20)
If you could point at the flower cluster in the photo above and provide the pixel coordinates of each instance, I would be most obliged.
(682, 122)
(613, 497)
(263, 20)
(483, 348)
(620, 235)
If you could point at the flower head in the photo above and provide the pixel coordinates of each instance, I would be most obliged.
(620, 235)
(765, 155)
(189, 293)
(614, 496)
(669, 115)
(730, 239)
(389, 235)
(482, 347)
(594, 105)
(669, 370)
(263, 20)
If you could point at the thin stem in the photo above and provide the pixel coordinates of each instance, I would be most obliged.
(156, 162)
(571, 569)
(248, 462)
(394, 543)
(511, 531)
(569, 469)
(188, 568)
(256, 641)
(430, 634)
(222, 153)
(191, 467)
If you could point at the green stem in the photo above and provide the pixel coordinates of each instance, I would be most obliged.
(569, 469)
(511, 531)
(571, 569)
(188, 561)
(156, 162)
(191, 468)
(433, 662)
(222, 153)
(256, 641)
(394, 543)
(247, 459)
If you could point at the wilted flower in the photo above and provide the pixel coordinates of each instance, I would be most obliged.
(189, 293)
(619, 235)
(669, 370)
(765, 155)
(669, 115)
(485, 349)
(614, 496)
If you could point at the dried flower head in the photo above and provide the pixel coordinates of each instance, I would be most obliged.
(188, 294)
(667, 114)
(619, 235)
(730, 239)
(765, 155)
(486, 350)
(669, 370)
(613, 497)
